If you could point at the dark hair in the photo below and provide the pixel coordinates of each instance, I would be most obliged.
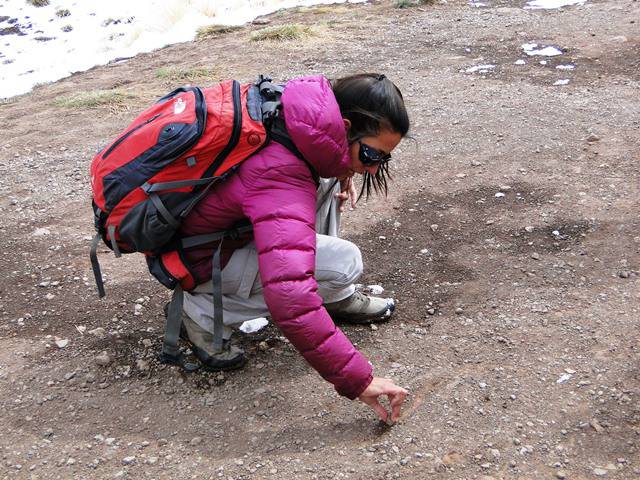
(371, 102)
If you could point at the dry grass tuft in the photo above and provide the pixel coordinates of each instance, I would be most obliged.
(112, 99)
(412, 3)
(282, 33)
(211, 31)
(178, 74)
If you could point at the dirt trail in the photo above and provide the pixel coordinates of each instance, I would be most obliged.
(510, 239)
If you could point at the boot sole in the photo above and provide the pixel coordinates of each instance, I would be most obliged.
(355, 319)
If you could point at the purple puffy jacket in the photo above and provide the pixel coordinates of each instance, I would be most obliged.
(275, 190)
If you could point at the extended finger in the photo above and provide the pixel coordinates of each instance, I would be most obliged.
(353, 194)
(396, 402)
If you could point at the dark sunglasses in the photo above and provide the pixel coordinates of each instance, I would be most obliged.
(371, 156)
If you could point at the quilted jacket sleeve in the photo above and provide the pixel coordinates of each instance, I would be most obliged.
(281, 206)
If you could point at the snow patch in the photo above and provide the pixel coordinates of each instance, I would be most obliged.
(480, 69)
(535, 49)
(549, 4)
(69, 36)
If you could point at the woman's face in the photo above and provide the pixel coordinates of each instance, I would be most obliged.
(378, 146)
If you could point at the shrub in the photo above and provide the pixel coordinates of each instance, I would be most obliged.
(177, 74)
(282, 32)
(94, 99)
(216, 30)
(62, 12)
(38, 3)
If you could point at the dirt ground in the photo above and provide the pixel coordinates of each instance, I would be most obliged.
(510, 239)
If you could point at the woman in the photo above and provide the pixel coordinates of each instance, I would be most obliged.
(305, 278)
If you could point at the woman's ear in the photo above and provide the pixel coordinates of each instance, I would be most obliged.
(347, 124)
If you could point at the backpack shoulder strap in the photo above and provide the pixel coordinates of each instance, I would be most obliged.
(274, 123)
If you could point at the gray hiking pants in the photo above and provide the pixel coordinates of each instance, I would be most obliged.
(338, 265)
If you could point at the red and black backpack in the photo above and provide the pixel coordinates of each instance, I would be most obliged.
(147, 180)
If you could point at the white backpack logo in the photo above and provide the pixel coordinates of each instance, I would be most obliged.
(179, 106)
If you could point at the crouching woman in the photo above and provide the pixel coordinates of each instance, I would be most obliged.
(302, 279)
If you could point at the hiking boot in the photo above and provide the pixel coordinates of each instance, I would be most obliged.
(201, 343)
(360, 308)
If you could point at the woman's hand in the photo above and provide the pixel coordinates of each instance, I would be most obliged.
(384, 386)
(347, 191)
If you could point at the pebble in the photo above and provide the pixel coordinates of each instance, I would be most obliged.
(61, 342)
(434, 227)
(142, 365)
(600, 472)
(98, 332)
(592, 138)
(195, 441)
(41, 232)
(561, 474)
(623, 274)
(529, 229)
(152, 460)
(128, 460)
(459, 311)
(405, 461)
(452, 458)
(431, 311)
(103, 359)
(535, 256)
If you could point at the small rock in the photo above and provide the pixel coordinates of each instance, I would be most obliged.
(624, 274)
(596, 425)
(41, 232)
(128, 460)
(529, 229)
(499, 195)
(98, 332)
(61, 342)
(152, 460)
(405, 461)
(475, 163)
(431, 311)
(592, 138)
(103, 359)
(452, 458)
(195, 441)
(459, 311)
(535, 256)
(434, 227)
(600, 472)
(561, 474)
(142, 365)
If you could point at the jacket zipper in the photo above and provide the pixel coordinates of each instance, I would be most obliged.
(126, 135)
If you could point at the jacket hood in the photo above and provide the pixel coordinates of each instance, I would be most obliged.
(315, 125)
